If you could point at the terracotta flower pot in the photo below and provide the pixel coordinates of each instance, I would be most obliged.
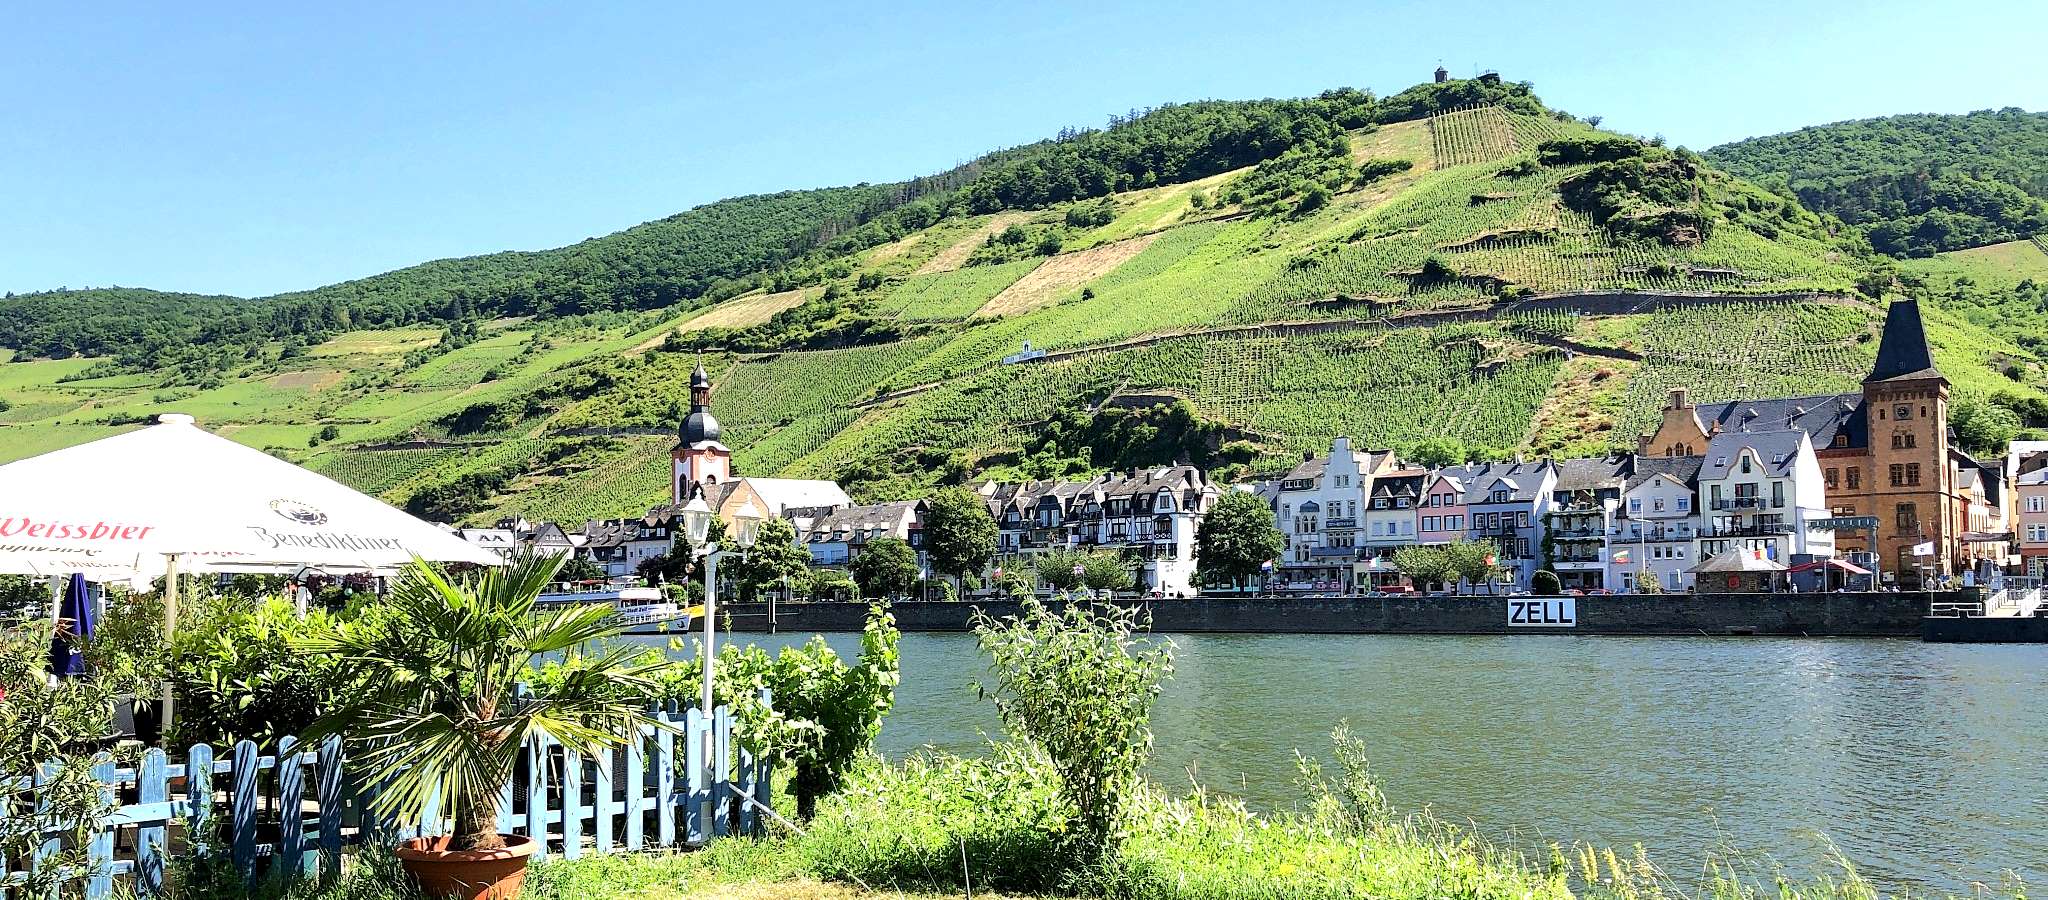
(467, 874)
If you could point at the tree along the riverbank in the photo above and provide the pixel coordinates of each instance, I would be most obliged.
(1235, 539)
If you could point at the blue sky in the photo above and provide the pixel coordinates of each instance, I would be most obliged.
(261, 147)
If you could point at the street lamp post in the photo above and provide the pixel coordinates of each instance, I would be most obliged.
(697, 516)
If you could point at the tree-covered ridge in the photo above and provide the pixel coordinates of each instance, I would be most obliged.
(719, 250)
(1916, 184)
(1164, 146)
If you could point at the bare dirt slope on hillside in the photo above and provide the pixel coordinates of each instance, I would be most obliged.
(950, 258)
(1060, 274)
(739, 312)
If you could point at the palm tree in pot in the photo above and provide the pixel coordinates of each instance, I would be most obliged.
(437, 710)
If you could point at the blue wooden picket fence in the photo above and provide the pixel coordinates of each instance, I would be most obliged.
(289, 814)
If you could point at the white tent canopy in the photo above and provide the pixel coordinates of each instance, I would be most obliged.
(116, 508)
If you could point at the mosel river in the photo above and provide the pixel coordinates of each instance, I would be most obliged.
(1925, 764)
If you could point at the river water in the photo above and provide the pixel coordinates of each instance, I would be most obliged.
(1926, 764)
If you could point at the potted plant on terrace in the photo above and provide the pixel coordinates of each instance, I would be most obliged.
(437, 711)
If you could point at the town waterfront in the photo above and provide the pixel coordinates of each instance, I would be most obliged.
(1923, 763)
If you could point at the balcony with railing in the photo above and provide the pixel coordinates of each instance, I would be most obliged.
(1748, 503)
(1680, 532)
(1768, 529)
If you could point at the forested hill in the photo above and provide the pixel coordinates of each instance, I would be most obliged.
(1455, 271)
(723, 249)
(1916, 184)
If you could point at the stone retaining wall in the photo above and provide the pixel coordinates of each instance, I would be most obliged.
(1858, 615)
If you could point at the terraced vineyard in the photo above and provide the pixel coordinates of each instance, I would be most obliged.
(378, 471)
(952, 295)
(1735, 350)
(1284, 326)
(757, 390)
(1472, 135)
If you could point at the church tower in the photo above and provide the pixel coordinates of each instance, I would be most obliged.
(1905, 406)
(699, 459)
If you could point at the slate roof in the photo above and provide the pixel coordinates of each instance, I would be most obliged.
(1985, 476)
(854, 523)
(1821, 416)
(1308, 469)
(1590, 473)
(607, 533)
(1399, 483)
(1902, 353)
(1682, 469)
(1180, 479)
(1524, 481)
(1777, 451)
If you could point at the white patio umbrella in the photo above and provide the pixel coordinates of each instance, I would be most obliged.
(174, 497)
(118, 507)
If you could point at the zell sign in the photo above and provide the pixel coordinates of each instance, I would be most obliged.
(1554, 612)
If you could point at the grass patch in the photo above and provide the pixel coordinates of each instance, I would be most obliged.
(33, 373)
(24, 441)
(936, 824)
(2012, 259)
(379, 342)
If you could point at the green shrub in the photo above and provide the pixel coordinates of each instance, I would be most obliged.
(829, 712)
(885, 567)
(914, 824)
(1079, 686)
(1101, 570)
(1375, 169)
(1091, 215)
(237, 675)
(1587, 149)
(826, 584)
(1545, 584)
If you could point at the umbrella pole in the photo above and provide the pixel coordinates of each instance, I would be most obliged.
(170, 629)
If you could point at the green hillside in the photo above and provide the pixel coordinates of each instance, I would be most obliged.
(1454, 269)
(1915, 184)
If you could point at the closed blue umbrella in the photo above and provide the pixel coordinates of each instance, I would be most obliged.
(74, 627)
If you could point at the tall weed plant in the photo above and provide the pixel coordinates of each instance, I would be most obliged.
(1079, 685)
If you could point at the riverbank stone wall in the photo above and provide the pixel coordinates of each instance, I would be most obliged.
(1842, 614)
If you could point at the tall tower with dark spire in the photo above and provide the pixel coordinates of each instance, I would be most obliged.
(1905, 405)
(699, 459)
